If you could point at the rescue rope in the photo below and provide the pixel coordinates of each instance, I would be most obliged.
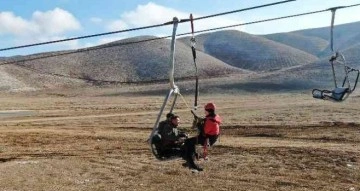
(187, 105)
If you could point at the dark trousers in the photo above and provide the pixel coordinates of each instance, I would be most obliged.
(191, 143)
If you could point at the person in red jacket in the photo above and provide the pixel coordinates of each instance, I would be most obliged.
(211, 127)
(209, 131)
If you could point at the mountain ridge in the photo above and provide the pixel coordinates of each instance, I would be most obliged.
(221, 53)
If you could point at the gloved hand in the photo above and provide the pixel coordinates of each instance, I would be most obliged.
(183, 134)
(181, 140)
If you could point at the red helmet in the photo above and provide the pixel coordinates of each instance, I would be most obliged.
(210, 106)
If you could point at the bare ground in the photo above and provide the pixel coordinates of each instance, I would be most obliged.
(97, 141)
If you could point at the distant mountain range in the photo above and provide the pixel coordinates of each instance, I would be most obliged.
(298, 59)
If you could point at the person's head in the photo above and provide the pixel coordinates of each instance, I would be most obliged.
(210, 109)
(175, 120)
(169, 116)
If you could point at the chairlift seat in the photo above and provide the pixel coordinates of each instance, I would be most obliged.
(337, 94)
(164, 154)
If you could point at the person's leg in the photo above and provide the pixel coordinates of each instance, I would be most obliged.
(212, 139)
(190, 147)
(209, 140)
(190, 153)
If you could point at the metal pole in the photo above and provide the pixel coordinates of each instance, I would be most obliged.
(332, 29)
(159, 115)
(172, 55)
(174, 88)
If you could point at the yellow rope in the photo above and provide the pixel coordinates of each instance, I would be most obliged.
(182, 97)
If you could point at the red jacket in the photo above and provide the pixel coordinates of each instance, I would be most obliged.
(212, 125)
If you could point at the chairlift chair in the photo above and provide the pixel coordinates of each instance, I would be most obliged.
(155, 137)
(339, 93)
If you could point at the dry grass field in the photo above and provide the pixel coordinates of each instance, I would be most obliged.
(96, 140)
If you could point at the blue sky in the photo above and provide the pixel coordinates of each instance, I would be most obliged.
(26, 22)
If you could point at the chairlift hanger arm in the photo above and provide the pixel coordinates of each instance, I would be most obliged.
(357, 79)
(172, 56)
(173, 88)
(193, 49)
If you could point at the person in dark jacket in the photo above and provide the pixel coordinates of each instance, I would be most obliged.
(165, 122)
(171, 138)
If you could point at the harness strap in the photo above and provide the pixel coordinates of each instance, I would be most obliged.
(205, 147)
(193, 50)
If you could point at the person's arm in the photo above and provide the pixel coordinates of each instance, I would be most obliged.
(169, 134)
(161, 127)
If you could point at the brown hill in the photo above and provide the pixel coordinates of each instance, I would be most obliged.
(309, 44)
(279, 62)
(251, 52)
(314, 75)
(345, 35)
(24, 79)
(117, 63)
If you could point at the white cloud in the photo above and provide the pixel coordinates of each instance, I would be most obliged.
(41, 27)
(152, 14)
(11, 24)
(96, 20)
(117, 25)
(42, 24)
(56, 21)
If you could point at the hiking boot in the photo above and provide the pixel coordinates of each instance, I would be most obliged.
(199, 169)
(197, 156)
(195, 167)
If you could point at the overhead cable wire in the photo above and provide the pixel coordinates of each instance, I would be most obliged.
(183, 34)
(152, 39)
(144, 27)
(55, 54)
(241, 10)
(276, 18)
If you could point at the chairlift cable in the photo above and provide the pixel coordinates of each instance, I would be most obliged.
(147, 40)
(142, 28)
(164, 37)
(245, 9)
